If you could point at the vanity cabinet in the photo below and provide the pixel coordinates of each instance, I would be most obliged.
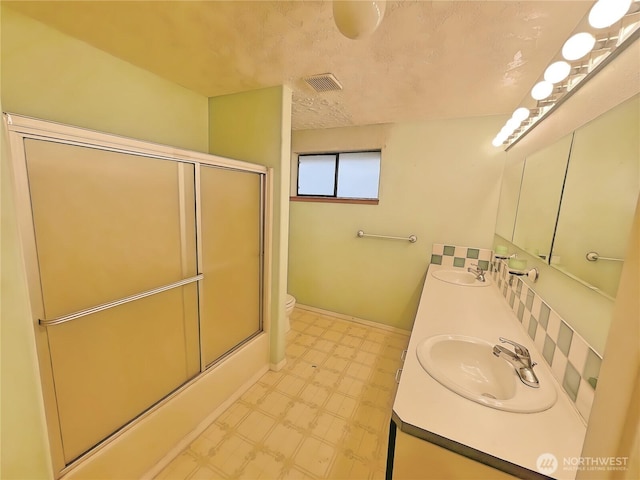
(417, 459)
(437, 433)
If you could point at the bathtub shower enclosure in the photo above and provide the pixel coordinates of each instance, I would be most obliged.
(145, 267)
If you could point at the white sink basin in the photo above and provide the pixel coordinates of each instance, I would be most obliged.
(467, 366)
(460, 277)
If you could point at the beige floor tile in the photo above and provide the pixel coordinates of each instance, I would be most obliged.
(181, 467)
(315, 456)
(314, 395)
(283, 441)
(329, 427)
(255, 426)
(290, 385)
(341, 405)
(232, 455)
(324, 416)
(233, 415)
(314, 330)
(351, 386)
(275, 403)
(335, 364)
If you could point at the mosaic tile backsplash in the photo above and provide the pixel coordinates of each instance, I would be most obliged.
(452, 256)
(575, 365)
(573, 362)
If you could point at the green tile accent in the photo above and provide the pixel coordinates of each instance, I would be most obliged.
(504, 290)
(518, 286)
(548, 350)
(533, 327)
(473, 253)
(483, 264)
(529, 301)
(520, 311)
(564, 338)
(544, 315)
(571, 381)
(458, 262)
(436, 259)
(592, 368)
(449, 250)
(512, 299)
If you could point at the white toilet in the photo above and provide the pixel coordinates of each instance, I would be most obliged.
(289, 304)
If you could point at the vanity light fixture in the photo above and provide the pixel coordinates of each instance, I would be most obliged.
(607, 29)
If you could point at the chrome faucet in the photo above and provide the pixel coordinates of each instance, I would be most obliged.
(520, 359)
(478, 272)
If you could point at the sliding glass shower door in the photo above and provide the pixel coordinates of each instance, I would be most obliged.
(111, 227)
(231, 292)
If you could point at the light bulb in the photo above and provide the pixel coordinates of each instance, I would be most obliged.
(506, 131)
(541, 90)
(556, 72)
(497, 141)
(513, 124)
(521, 114)
(607, 12)
(578, 46)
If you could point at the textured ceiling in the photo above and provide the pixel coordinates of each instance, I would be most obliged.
(427, 60)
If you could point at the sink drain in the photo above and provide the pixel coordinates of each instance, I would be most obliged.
(488, 395)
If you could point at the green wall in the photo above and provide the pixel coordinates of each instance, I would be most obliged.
(439, 180)
(49, 75)
(255, 126)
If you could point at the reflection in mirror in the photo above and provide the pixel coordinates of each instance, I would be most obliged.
(600, 196)
(540, 194)
(509, 193)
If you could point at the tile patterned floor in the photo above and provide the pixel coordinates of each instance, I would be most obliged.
(325, 415)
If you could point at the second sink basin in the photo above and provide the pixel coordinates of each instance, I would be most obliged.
(460, 276)
(467, 366)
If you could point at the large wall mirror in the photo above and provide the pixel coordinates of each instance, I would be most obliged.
(600, 196)
(540, 192)
(577, 197)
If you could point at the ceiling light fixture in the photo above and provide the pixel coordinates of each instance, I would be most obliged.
(358, 18)
(607, 12)
(578, 46)
(594, 43)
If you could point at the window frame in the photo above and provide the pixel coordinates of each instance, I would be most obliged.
(303, 197)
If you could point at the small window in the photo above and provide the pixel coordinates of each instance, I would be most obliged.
(352, 175)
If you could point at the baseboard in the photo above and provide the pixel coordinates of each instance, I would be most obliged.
(202, 426)
(276, 367)
(349, 318)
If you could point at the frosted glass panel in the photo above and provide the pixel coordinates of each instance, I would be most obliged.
(316, 174)
(231, 242)
(359, 175)
(111, 366)
(108, 225)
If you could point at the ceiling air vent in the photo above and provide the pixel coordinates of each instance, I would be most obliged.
(325, 82)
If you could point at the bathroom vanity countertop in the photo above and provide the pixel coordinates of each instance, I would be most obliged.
(505, 440)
